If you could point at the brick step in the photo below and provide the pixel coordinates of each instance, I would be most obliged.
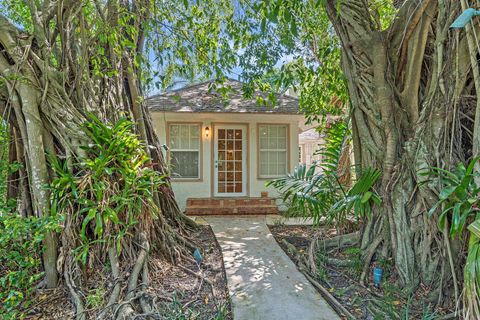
(228, 202)
(197, 210)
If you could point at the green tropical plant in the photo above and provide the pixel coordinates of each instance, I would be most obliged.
(20, 264)
(458, 204)
(321, 194)
(109, 190)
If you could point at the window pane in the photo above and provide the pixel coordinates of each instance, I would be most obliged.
(185, 150)
(282, 143)
(185, 164)
(273, 146)
(264, 169)
(184, 136)
(272, 142)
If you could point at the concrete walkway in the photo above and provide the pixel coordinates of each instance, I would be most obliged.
(263, 282)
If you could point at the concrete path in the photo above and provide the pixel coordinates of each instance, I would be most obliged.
(263, 282)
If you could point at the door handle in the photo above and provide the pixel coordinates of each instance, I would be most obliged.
(216, 164)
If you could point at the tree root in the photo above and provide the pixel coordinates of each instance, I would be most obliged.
(331, 299)
(75, 295)
(346, 240)
(338, 242)
(339, 262)
(124, 311)
(368, 258)
(112, 254)
(196, 274)
(323, 291)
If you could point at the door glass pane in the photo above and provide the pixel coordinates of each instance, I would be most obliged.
(238, 187)
(221, 145)
(230, 177)
(238, 165)
(221, 176)
(238, 155)
(221, 134)
(238, 134)
(238, 145)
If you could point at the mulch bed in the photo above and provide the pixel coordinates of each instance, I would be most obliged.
(180, 294)
(342, 282)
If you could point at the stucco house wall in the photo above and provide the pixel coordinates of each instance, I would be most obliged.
(203, 187)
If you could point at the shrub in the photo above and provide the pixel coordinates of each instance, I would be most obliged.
(20, 260)
(108, 191)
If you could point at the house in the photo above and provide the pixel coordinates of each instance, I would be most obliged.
(222, 150)
(310, 143)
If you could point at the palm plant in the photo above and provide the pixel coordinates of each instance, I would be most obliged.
(324, 195)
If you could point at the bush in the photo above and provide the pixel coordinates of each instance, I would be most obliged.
(20, 260)
(109, 191)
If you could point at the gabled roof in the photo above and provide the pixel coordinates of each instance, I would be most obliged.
(197, 98)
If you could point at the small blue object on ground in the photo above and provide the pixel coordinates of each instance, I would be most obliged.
(377, 276)
(197, 256)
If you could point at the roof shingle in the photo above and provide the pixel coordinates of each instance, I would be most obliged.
(197, 98)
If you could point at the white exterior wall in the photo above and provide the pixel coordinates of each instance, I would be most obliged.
(203, 188)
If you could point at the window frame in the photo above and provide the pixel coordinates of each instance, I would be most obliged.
(288, 150)
(200, 150)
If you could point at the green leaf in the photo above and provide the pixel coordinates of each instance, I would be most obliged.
(474, 228)
(446, 192)
(366, 197)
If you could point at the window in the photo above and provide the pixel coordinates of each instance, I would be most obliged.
(184, 147)
(273, 151)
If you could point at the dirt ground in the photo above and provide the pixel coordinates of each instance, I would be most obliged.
(179, 293)
(386, 302)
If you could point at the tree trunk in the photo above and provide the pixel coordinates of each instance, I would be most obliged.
(409, 102)
(52, 78)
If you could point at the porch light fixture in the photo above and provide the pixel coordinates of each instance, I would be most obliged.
(207, 131)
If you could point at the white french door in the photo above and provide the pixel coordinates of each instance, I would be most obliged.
(230, 161)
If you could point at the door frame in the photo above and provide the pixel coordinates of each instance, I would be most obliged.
(245, 162)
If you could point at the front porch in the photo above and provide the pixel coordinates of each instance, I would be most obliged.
(231, 206)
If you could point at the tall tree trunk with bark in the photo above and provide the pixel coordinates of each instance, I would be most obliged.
(414, 103)
(76, 59)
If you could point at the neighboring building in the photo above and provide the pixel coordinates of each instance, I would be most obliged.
(222, 151)
(310, 143)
